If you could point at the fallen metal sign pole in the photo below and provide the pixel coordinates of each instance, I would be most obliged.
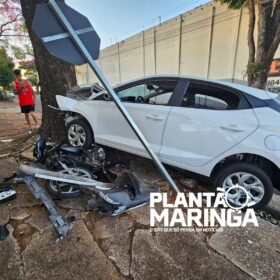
(56, 37)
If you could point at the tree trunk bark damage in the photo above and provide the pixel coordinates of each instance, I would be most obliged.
(55, 75)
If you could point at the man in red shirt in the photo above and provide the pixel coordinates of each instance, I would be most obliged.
(26, 96)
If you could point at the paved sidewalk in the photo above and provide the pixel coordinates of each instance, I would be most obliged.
(123, 247)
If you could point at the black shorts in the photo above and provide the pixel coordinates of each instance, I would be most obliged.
(27, 109)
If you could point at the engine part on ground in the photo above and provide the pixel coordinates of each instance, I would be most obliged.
(52, 155)
(7, 194)
(75, 161)
(4, 233)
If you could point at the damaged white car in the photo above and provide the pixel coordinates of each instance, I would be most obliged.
(225, 131)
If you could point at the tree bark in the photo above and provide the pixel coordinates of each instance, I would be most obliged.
(267, 42)
(55, 75)
(250, 39)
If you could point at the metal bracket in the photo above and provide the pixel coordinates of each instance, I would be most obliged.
(61, 224)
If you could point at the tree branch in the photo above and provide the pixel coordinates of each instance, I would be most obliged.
(2, 30)
(274, 38)
(274, 45)
(15, 35)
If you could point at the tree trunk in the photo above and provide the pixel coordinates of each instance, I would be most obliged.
(251, 40)
(55, 75)
(267, 42)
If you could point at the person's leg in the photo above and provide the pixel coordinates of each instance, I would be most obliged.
(27, 118)
(34, 117)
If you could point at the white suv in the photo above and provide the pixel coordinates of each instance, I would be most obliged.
(222, 130)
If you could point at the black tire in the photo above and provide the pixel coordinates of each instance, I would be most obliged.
(50, 185)
(256, 171)
(89, 140)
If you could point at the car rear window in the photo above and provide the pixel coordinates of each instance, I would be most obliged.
(202, 96)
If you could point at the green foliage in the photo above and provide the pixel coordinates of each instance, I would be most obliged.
(30, 70)
(6, 69)
(234, 4)
(254, 70)
(22, 52)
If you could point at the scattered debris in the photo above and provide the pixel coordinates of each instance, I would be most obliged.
(7, 194)
(6, 141)
(18, 145)
(4, 233)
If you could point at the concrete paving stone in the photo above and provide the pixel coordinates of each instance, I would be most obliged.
(254, 249)
(28, 154)
(146, 170)
(19, 214)
(274, 206)
(141, 215)
(78, 257)
(117, 250)
(10, 260)
(192, 185)
(4, 214)
(178, 256)
(7, 168)
(23, 233)
(77, 214)
(112, 226)
(113, 236)
(39, 219)
(23, 199)
(78, 203)
(149, 261)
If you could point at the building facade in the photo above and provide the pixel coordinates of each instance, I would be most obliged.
(209, 41)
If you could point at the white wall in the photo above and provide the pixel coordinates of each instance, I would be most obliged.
(209, 41)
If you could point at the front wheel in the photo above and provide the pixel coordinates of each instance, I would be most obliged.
(79, 134)
(245, 185)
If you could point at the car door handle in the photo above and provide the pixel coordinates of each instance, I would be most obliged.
(155, 117)
(233, 128)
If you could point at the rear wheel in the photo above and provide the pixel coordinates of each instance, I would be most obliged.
(244, 184)
(79, 134)
(68, 190)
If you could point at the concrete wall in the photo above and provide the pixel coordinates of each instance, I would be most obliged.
(209, 41)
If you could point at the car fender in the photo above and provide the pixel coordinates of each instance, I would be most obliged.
(66, 103)
(80, 108)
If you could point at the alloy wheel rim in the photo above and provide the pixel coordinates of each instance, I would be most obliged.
(76, 135)
(65, 187)
(252, 184)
